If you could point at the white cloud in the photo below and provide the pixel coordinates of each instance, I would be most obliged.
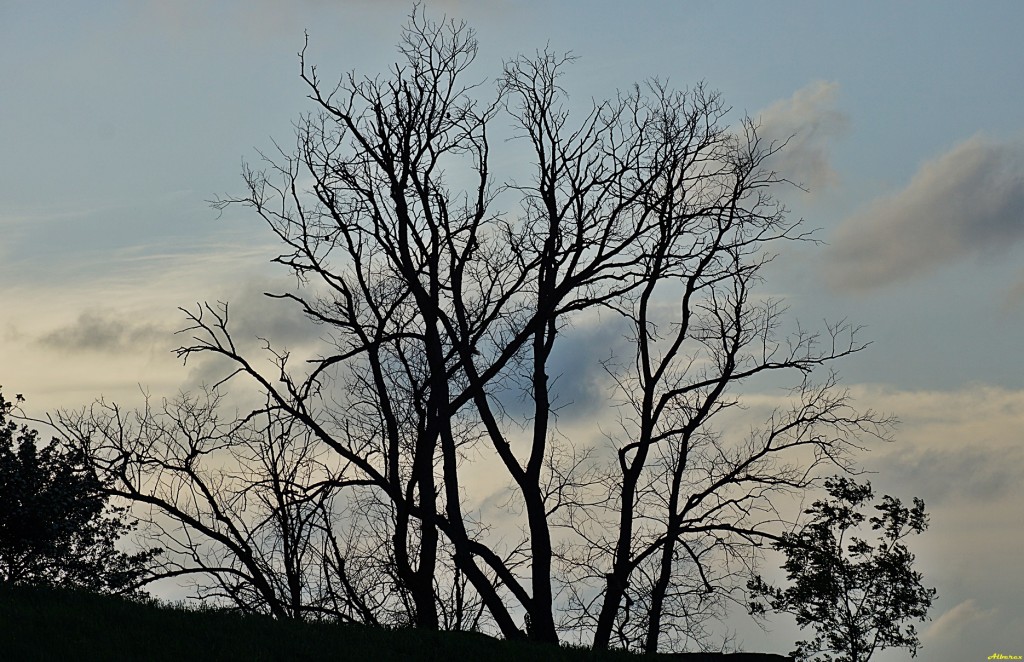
(969, 200)
(809, 122)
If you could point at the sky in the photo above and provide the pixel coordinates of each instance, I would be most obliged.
(120, 121)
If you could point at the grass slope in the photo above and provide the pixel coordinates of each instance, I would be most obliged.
(48, 624)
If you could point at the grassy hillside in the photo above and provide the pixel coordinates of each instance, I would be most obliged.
(42, 624)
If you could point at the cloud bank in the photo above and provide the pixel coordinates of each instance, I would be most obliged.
(968, 201)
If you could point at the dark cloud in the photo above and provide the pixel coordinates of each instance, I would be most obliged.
(966, 201)
(102, 331)
(280, 321)
(579, 385)
(253, 318)
(808, 123)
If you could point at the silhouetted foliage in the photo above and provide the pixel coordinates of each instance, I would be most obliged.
(857, 596)
(56, 525)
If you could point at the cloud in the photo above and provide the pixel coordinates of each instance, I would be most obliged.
(579, 386)
(579, 382)
(103, 332)
(808, 122)
(967, 201)
(962, 618)
(977, 475)
(959, 449)
(1015, 295)
(105, 327)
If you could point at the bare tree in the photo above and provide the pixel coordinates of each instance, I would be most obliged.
(437, 302)
(246, 507)
(689, 199)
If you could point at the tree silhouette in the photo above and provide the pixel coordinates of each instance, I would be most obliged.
(856, 596)
(441, 303)
(57, 527)
(249, 505)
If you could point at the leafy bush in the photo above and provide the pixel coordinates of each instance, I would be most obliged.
(56, 525)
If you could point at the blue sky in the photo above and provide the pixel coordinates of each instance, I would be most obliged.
(120, 120)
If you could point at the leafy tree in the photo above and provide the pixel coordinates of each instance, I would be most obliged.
(856, 595)
(56, 526)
